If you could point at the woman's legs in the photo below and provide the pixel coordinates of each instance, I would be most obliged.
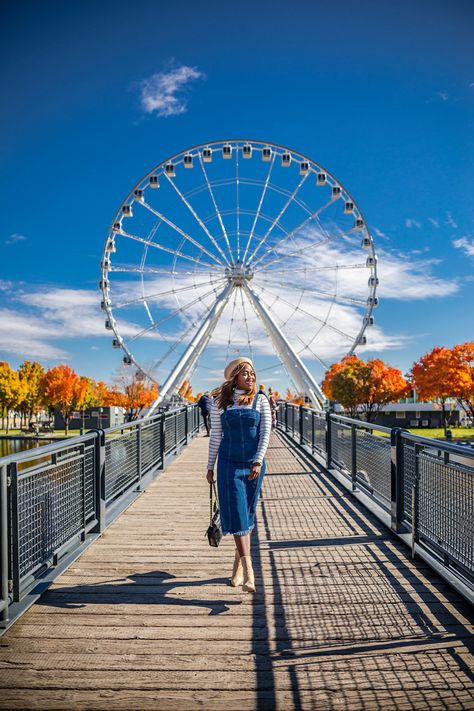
(242, 543)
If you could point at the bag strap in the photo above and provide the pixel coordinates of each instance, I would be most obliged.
(212, 487)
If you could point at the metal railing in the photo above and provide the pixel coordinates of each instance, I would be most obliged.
(424, 487)
(57, 499)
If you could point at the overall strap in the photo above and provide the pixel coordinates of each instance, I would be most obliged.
(254, 404)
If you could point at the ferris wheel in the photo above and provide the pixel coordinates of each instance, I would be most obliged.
(242, 247)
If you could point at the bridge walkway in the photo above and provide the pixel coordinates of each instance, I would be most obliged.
(145, 619)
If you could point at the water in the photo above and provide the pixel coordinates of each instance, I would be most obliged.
(12, 446)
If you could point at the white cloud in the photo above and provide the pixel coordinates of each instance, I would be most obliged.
(409, 222)
(442, 95)
(450, 221)
(14, 238)
(434, 222)
(466, 245)
(163, 93)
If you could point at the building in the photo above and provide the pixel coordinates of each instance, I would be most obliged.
(418, 414)
(92, 418)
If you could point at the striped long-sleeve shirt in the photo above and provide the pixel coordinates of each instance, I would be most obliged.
(262, 406)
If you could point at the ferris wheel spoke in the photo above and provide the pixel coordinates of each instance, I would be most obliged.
(325, 294)
(249, 343)
(311, 245)
(314, 317)
(306, 346)
(237, 209)
(150, 297)
(184, 234)
(257, 214)
(162, 248)
(155, 325)
(291, 234)
(231, 325)
(174, 346)
(219, 216)
(123, 269)
(279, 216)
(335, 267)
(198, 219)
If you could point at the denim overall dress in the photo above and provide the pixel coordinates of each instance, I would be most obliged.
(238, 496)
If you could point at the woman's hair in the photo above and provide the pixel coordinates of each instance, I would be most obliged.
(224, 395)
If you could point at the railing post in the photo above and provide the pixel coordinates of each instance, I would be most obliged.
(396, 480)
(162, 440)
(328, 440)
(312, 431)
(186, 424)
(354, 457)
(5, 541)
(139, 456)
(300, 424)
(13, 526)
(99, 468)
(176, 444)
(415, 505)
(286, 417)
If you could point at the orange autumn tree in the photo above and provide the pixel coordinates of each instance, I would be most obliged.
(364, 387)
(294, 399)
(65, 391)
(465, 354)
(440, 375)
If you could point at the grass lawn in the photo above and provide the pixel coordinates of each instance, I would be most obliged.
(459, 433)
(50, 435)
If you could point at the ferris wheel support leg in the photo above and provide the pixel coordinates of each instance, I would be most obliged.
(295, 366)
(194, 350)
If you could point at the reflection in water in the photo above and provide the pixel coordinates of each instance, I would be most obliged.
(12, 446)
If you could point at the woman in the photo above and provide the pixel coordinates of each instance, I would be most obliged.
(240, 430)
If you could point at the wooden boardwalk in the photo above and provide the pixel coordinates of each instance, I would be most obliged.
(145, 619)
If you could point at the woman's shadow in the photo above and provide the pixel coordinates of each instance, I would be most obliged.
(155, 587)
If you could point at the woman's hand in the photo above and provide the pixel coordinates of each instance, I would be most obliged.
(210, 476)
(255, 470)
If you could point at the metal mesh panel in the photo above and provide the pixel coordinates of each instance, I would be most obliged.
(121, 456)
(307, 426)
(89, 479)
(446, 507)
(189, 415)
(296, 420)
(409, 473)
(341, 445)
(50, 511)
(170, 434)
(319, 424)
(281, 415)
(181, 416)
(374, 464)
(150, 445)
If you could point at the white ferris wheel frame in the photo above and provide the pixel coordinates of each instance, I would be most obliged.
(238, 273)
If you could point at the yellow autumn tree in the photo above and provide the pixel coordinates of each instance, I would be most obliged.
(12, 392)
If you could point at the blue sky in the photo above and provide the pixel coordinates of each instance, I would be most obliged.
(380, 94)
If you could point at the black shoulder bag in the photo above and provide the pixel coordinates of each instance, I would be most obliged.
(214, 531)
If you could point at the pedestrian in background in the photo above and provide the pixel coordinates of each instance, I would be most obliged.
(205, 405)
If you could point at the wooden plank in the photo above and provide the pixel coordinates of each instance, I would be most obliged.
(146, 619)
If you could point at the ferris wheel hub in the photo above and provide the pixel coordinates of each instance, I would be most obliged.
(238, 274)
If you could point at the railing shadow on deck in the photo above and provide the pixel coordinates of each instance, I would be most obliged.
(355, 619)
(152, 588)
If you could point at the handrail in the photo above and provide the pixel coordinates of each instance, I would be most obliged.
(77, 487)
(412, 490)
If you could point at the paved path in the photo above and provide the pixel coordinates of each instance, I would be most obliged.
(145, 619)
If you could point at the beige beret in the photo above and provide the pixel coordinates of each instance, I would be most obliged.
(230, 367)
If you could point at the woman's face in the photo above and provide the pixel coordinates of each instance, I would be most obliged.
(245, 379)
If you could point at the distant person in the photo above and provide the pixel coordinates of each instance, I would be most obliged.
(272, 399)
(241, 423)
(205, 405)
